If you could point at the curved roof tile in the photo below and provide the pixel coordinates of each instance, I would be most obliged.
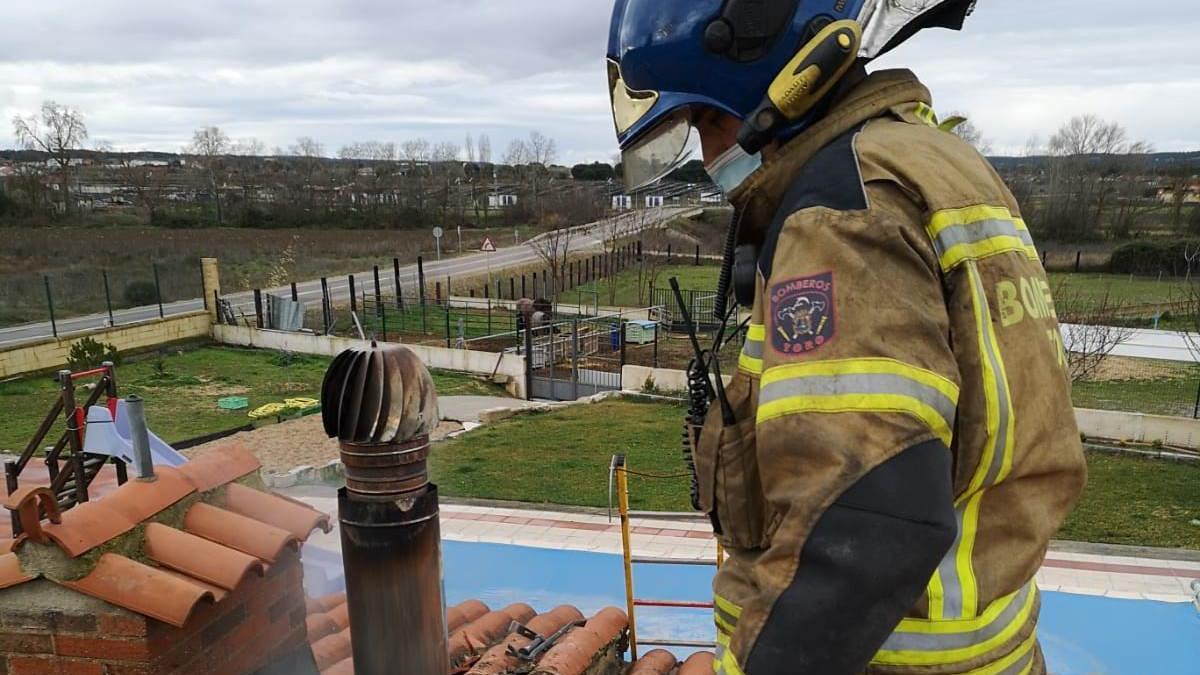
(478, 636)
(214, 469)
(138, 500)
(285, 514)
(11, 573)
(656, 662)
(497, 660)
(142, 589)
(331, 649)
(463, 614)
(87, 526)
(576, 650)
(238, 532)
(200, 558)
(700, 663)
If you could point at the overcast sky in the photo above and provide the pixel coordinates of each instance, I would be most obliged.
(147, 73)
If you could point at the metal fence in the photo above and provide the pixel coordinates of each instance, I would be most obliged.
(109, 297)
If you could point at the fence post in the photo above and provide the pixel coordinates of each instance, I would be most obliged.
(668, 254)
(383, 322)
(1043, 258)
(50, 304)
(524, 294)
(489, 303)
(108, 299)
(295, 293)
(437, 289)
(1196, 408)
(639, 249)
(353, 296)
(421, 278)
(396, 281)
(623, 327)
(448, 323)
(575, 359)
(697, 255)
(657, 328)
(325, 303)
(157, 290)
(1078, 258)
(258, 308)
(378, 292)
(512, 288)
(528, 338)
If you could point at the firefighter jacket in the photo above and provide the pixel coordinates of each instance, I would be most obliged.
(899, 302)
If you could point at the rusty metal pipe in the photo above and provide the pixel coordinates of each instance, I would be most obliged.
(381, 405)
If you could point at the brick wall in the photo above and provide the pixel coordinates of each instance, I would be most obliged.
(258, 628)
(52, 353)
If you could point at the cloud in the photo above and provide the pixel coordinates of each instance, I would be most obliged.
(147, 74)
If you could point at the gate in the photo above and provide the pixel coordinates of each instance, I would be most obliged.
(572, 359)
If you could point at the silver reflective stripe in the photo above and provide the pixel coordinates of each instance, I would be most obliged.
(1001, 393)
(952, 586)
(1017, 667)
(972, 233)
(860, 383)
(753, 349)
(940, 642)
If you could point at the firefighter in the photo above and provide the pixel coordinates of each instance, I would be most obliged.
(897, 446)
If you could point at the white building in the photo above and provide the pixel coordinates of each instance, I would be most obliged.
(622, 202)
(501, 201)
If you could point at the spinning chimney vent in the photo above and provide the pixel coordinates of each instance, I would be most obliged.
(381, 405)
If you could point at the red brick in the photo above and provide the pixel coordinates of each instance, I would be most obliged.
(101, 648)
(122, 626)
(32, 665)
(78, 667)
(26, 643)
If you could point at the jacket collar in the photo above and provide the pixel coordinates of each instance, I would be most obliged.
(759, 197)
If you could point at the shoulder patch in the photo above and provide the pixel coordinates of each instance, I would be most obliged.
(803, 316)
(832, 178)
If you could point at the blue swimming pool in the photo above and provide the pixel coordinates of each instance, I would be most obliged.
(1080, 634)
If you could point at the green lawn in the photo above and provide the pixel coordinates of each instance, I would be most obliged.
(181, 390)
(702, 277)
(562, 457)
(1121, 288)
(1152, 387)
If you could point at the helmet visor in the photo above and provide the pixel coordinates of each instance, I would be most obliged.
(660, 152)
(628, 106)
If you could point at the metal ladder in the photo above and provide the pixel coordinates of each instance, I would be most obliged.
(618, 472)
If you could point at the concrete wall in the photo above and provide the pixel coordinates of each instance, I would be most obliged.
(1140, 428)
(509, 366)
(51, 353)
(1112, 424)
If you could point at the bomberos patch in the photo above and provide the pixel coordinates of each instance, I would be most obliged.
(802, 314)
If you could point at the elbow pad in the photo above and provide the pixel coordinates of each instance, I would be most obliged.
(863, 567)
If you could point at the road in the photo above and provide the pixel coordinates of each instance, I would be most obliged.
(585, 238)
(1147, 344)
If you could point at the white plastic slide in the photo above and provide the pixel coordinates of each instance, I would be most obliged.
(106, 436)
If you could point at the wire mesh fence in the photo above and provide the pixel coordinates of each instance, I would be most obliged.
(117, 296)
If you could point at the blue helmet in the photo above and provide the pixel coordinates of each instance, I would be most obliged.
(768, 63)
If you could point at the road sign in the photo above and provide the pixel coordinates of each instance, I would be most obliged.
(437, 233)
(488, 246)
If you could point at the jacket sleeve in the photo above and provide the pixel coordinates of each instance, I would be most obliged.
(855, 416)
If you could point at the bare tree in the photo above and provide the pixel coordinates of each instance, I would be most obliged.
(966, 130)
(248, 150)
(469, 146)
(209, 146)
(1091, 135)
(58, 132)
(553, 247)
(309, 152)
(485, 149)
(1090, 336)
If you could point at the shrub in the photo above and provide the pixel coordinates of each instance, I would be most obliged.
(141, 293)
(88, 353)
(1152, 257)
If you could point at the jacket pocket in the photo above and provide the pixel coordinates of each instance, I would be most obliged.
(730, 485)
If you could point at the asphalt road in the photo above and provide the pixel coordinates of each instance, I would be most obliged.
(585, 238)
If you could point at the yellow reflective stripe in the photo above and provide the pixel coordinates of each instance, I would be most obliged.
(751, 358)
(725, 663)
(954, 631)
(926, 114)
(936, 596)
(722, 624)
(1018, 662)
(860, 385)
(977, 232)
(996, 462)
(964, 559)
(727, 607)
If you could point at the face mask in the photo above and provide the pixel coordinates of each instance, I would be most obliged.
(733, 167)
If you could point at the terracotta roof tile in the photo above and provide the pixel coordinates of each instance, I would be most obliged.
(478, 636)
(285, 514)
(700, 663)
(462, 614)
(142, 589)
(318, 626)
(497, 660)
(343, 667)
(90, 524)
(576, 650)
(328, 602)
(238, 532)
(138, 500)
(214, 469)
(331, 649)
(340, 615)
(36, 474)
(214, 552)
(11, 573)
(200, 558)
(656, 662)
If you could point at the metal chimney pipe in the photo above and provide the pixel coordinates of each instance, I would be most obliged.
(381, 405)
(141, 438)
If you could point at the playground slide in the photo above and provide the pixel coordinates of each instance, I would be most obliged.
(113, 437)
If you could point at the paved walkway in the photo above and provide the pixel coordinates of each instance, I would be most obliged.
(467, 408)
(1083, 569)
